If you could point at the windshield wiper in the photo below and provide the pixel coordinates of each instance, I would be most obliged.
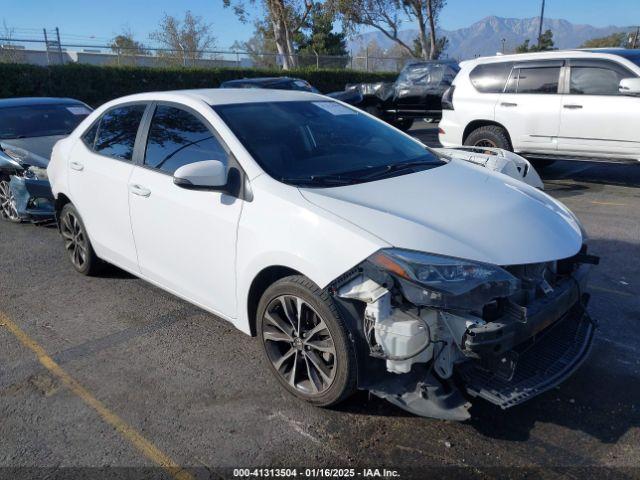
(324, 180)
(397, 167)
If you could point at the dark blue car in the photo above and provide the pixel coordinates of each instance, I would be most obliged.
(29, 128)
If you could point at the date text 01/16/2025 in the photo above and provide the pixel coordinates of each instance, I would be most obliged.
(315, 473)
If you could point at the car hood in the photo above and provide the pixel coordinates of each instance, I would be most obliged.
(34, 151)
(460, 210)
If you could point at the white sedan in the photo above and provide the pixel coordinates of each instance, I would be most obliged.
(359, 257)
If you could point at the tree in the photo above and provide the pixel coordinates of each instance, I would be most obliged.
(286, 17)
(259, 46)
(186, 40)
(441, 45)
(546, 43)
(9, 51)
(125, 44)
(614, 40)
(384, 15)
(318, 38)
(370, 57)
(423, 12)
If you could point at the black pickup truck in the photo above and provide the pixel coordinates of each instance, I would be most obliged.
(416, 93)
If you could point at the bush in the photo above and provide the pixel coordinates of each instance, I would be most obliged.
(98, 84)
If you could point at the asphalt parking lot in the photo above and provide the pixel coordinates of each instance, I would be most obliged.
(113, 372)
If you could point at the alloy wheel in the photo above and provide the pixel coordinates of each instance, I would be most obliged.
(299, 345)
(8, 206)
(75, 240)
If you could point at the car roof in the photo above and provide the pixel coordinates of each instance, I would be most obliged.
(223, 96)
(29, 101)
(552, 54)
(258, 80)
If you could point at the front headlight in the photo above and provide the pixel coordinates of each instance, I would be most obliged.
(445, 282)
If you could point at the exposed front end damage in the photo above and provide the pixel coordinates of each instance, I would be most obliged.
(436, 332)
(25, 191)
(34, 199)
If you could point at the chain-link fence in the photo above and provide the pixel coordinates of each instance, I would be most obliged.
(41, 52)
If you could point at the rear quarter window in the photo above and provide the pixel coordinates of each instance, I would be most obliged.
(490, 77)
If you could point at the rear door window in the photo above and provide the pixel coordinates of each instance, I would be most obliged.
(534, 80)
(117, 130)
(490, 77)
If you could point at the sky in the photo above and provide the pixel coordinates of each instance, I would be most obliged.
(96, 22)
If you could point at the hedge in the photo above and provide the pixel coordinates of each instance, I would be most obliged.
(98, 84)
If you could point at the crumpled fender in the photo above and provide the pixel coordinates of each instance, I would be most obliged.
(498, 160)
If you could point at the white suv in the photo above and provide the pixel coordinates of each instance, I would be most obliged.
(569, 104)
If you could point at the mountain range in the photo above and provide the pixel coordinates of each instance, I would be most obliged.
(485, 36)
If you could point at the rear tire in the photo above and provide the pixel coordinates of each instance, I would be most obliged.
(491, 136)
(76, 241)
(305, 342)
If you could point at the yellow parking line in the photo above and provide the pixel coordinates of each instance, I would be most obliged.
(147, 448)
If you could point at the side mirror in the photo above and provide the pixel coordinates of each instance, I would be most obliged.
(630, 86)
(206, 175)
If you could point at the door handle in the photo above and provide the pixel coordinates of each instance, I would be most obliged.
(76, 166)
(139, 190)
(573, 107)
(508, 104)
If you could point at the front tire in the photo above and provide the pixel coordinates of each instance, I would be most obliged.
(305, 342)
(77, 243)
(491, 136)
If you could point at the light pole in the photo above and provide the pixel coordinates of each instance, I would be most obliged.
(540, 26)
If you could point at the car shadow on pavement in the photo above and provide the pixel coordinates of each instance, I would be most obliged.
(113, 272)
(619, 174)
(597, 401)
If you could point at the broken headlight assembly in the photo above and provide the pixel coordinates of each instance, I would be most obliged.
(444, 282)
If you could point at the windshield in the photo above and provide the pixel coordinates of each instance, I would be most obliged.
(323, 143)
(40, 120)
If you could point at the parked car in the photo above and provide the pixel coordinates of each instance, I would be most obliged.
(416, 93)
(277, 83)
(359, 257)
(351, 97)
(577, 104)
(29, 127)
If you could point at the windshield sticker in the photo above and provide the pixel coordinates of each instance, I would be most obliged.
(80, 110)
(335, 108)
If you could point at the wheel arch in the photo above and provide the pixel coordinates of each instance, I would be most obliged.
(475, 124)
(61, 201)
(265, 278)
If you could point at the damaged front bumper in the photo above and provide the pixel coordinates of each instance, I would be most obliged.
(504, 355)
(34, 198)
